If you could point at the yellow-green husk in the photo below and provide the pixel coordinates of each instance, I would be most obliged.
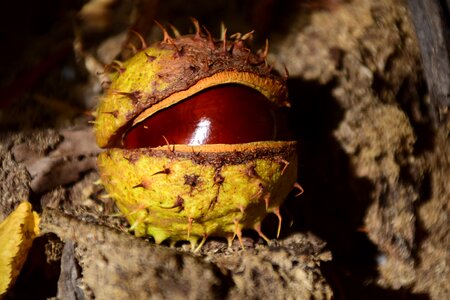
(180, 192)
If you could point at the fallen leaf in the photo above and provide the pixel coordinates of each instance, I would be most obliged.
(17, 232)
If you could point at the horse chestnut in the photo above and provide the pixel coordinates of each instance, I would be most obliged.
(228, 114)
(195, 145)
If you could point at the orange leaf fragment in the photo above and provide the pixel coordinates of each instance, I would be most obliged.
(17, 232)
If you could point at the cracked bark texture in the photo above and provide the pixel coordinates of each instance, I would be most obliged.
(116, 266)
(373, 165)
(362, 75)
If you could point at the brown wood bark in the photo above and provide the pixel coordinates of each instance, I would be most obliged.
(432, 23)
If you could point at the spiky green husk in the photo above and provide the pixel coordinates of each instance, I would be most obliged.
(191, 192)
(178, 195)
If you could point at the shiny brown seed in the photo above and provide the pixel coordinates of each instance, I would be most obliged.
(227, 114)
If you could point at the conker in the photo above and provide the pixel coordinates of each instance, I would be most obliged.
(195, 145)
(228, 114)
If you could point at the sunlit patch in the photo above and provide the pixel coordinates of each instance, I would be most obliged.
(201, 132)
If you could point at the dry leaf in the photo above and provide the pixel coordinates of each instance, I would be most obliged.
(17, 232)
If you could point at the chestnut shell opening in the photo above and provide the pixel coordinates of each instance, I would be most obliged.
(225, 114)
